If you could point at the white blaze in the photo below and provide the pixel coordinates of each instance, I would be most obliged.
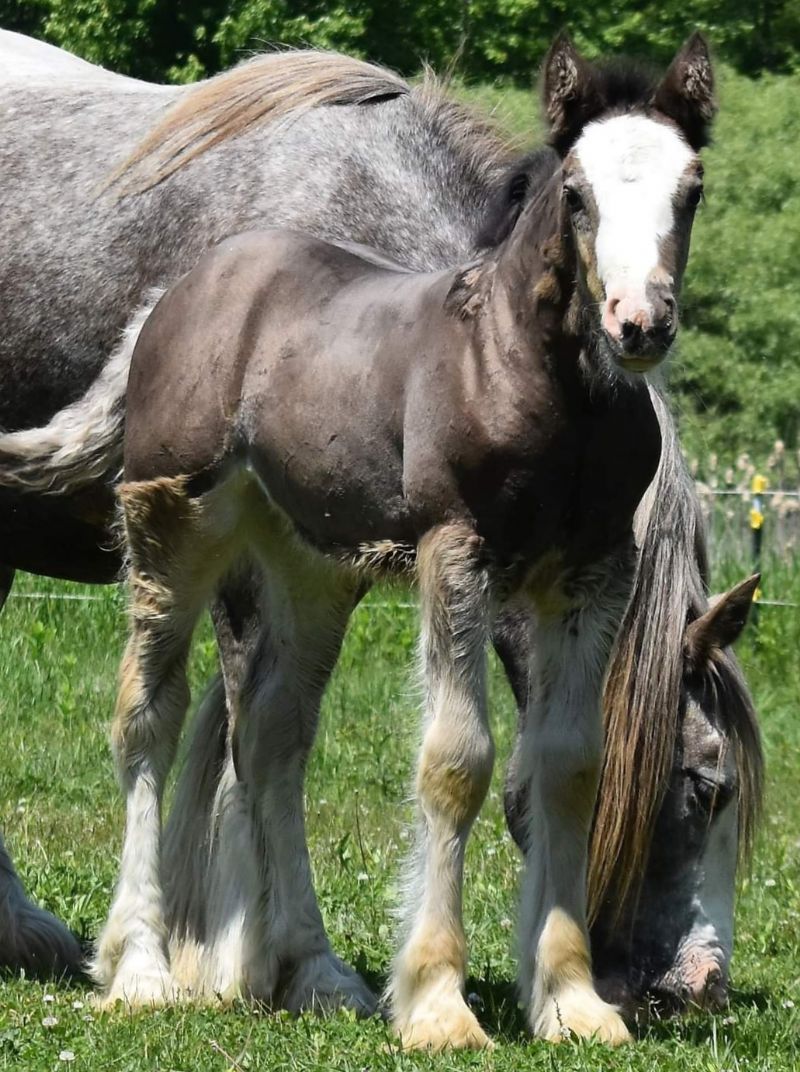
(634, 167)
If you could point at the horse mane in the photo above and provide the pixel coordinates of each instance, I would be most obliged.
(266, 88)
(642, 697)
(521, 182)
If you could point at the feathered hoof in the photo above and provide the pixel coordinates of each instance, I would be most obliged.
(132, 990)
(324, 984)
(447, 1024)
(579, 1012)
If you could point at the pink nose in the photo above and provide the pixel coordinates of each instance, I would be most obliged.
(706, 986)
(618, 312)
(642, 321)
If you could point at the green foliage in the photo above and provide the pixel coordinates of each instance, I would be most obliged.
(737, 374)
(506, 39)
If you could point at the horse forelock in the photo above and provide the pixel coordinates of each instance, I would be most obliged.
(734, 706)
(643, 694)
(265, 89)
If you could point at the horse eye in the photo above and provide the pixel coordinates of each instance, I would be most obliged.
(710, 795)
(573, 199)
(696, 195)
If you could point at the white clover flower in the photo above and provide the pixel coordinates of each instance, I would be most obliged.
(66, 1055)
(49, 1021)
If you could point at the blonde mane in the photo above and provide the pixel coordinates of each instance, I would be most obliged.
(264, 89)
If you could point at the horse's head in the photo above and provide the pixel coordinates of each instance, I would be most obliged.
(632, 179)
(675, 938)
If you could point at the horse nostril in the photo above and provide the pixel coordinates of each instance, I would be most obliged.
(631, 334)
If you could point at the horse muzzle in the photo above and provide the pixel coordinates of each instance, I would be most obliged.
(641, 327)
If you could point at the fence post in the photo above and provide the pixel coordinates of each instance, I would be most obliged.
(758, 487)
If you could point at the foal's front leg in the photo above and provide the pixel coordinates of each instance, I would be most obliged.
(559, 754)
(453, 773)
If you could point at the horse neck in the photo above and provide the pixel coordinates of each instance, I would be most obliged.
(534, 269)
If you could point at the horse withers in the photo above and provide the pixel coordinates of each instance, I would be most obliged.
(485, 430)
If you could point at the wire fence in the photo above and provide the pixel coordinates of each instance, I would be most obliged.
(751, 526)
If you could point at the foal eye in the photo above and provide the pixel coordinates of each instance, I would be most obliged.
(696, 195)
(573, 199)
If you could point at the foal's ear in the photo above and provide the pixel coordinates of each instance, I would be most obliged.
(566, 92)
(721, 624)
(686, 92)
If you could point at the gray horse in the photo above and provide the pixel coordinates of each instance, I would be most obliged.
(345, 151)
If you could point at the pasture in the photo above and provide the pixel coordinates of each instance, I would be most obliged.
(63, 818)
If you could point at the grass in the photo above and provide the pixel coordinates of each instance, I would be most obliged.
(63, 819)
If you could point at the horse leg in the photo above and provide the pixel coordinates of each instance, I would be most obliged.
(30, 938)
(215, 919)
(6, 583)
(175, 558)
(453, 774)
(559, 758)
(276, 720)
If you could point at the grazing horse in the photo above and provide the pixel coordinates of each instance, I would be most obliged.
(408, 171)
(334, 417)
(669, 933)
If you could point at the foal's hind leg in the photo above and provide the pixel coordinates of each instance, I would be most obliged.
(453, 774)
(304, 623)
(559, 754)
(173, 552)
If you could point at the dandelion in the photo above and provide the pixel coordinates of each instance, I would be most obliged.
(50, 1021)
(66, 1055)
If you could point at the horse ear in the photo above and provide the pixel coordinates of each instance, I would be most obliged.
(686, 92)
(566, 88)
(721, 624)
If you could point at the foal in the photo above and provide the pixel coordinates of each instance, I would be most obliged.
(484, 431)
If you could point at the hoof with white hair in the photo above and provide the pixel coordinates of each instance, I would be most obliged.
(323, 984)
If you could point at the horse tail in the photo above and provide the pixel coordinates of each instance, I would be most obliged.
(642, 696)
(265, 89)
(83, 442)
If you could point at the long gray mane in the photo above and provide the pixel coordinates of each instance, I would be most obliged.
(643, 696)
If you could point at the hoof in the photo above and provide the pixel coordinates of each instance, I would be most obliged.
(324, 984)
(579, 1012)
(447, 1024)
(140, 986)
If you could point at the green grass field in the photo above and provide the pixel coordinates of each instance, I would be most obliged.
(63, 818)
